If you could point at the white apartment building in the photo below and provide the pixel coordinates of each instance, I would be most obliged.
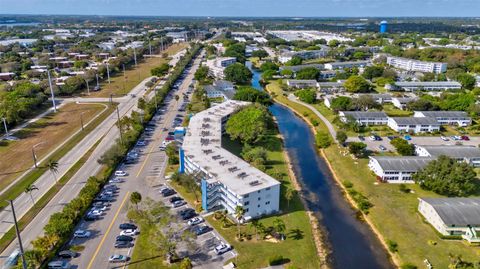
(414, 125)
(286, 56)
(394, 169)
(302, 83)
(226, 181)
(453, 216)
(459, 118)
(415, 65)
(401, 102)
(411, 86)
(364, 117)
(468, 154)
(217, 66)
(343, 65)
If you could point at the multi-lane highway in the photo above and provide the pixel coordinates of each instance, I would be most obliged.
(106, 133)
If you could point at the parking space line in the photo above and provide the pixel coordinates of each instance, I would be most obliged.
(108, 230)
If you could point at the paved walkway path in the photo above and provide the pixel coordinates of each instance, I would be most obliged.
(329, 125)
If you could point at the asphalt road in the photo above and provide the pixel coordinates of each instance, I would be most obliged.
(107, 133)
(145, 176)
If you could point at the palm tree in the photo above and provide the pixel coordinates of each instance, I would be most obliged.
(279, 226)
(29, 189)
(255, 224)
(177, 97)
(53, 167)
(239, 212)
(289, 195)
(135, 198)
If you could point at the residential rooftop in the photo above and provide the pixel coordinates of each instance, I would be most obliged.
(365, 114)
(445, 114)
(457, 211)
(403, 163)
(203, 146)
(415, 121)
(453, 151)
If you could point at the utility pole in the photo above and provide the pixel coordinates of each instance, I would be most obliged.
(5, 125)
(34, 155)
(108, 73)
(135, 56)
(51, 91)
(119, 126)
(88, 87)
(81, 120)
(150, 46)
(24, 262)
(111, 98)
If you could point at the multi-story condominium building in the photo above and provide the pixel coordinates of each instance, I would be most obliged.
(414, 125)
(286, 56)
(415, 65)
(410, 86)
(459, 118)
(394, 169)
(343, 65)
(226, 180)
(364, 117)
(217, 66)
(453, 216)
(468, 154)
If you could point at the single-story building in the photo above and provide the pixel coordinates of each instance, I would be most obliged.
(379, 98)
(343, 65)
(397, 169)
(296, 68)
(468, 154)
(330, 86)
(302, 83)
(414, 125)
(459, 118)
(364, 117)
(411, 86)
(453, 216)
(220, 89)
(401, 102)
(7, 76)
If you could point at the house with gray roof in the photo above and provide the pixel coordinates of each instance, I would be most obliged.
(302, 83)
(410, 86)
(414, 125)
(394, 169)
(220, 89)
(453, 216)
(401, 102)
(296, 68)
(364, 117)
(459, 118)
(343, 65)
(468, 154)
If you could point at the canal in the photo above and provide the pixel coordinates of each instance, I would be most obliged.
(351, 241)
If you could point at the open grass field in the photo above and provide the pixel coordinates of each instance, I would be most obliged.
(121, 86)
(394, 213)
(47, 133)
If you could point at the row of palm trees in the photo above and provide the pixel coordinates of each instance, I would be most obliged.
(52, 166)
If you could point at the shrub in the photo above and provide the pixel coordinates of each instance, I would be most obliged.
(322, 139)
(392, 245)
(408, 266)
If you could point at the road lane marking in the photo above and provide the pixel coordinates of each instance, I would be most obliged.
(108, 231)
(146, 159)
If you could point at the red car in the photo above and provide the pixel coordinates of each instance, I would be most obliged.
(466, 138)
(170, 138)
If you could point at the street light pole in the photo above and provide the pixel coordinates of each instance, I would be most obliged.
(51, 91)
(108, 73)
(34, 155)
(81, 120)
(5, 125)
(111, 98)
(135, 56)
(88, 87)
(24, 262)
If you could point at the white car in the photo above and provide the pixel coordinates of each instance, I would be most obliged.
(116, 180)
(130, 232)
(194, 221)
(117, 258)
(120, 173)
(444, 138)
(82, 234)
(166, 143)
(100, 208)
(222, 248)
(178, 203)
(95, 212)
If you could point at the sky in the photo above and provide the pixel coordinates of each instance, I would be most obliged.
(247, 8)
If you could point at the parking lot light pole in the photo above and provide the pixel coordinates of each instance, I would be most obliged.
(24, 262)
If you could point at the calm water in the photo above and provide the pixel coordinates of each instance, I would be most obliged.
(352, 243)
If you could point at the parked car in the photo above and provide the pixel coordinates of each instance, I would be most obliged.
(100, 208)
(90, 217)
(444, 138)
(175, 198)
(123, 244)
(381, 147)
(168, 192)
(58, 265)
(124, 238)
(407, 137)
(464, 137)
(186, 211)
(120, 173)
(82, 234)
(391, 137)
(127, 226)
(361, 138)
(222, 248)
(372, 138)
(199, 230)
(178, 203)
(188, 215)
(169, 138)
(67, 254)
(130, 232)
(195, 221)
(141, 143)
(118, 258)
(149, 129)
(98, 204)
(116, 180)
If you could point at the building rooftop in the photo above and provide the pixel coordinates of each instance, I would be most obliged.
(203, 146)
(296, 68)
(364, 114)
(428, 83)
(457, 211)
(415, 121)
(348, 63)
(445, 114)
(453, 151)
(403, 163)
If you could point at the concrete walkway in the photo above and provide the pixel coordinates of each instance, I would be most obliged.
(329, 125)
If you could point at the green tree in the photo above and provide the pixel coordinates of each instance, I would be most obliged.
(269, 65)
(249, 124)
(468, 81)
(322, 139)
(238, 73)
(160, 70)
(333, 43)
(250, 94)
(341, 137)
(371, 72)
(341, 103)
(135, 198)
(172, 154)
(239, 212)
(52, 166)
(448, 177)
(186, 263)
(308, 73)
(289, 193)
(29, 189)
(357, 84)
(260, 54)
(286, 73)
(294, 61)
(357, 148)
(202, 73)
(236, 50)
(403, 147)
(307, 95)
(279, 225)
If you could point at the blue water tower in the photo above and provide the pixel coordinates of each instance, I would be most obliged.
(383, 26)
